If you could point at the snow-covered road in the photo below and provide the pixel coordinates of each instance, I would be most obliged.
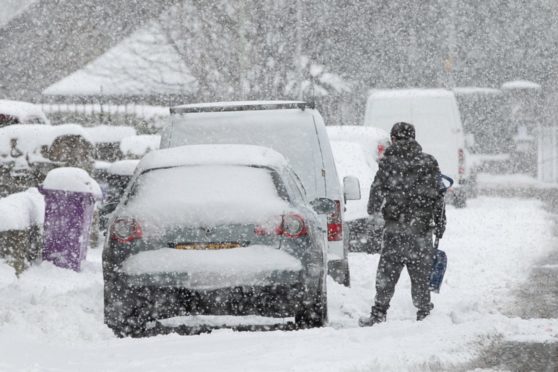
(51, 319)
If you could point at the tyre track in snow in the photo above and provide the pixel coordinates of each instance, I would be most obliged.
(535, 299)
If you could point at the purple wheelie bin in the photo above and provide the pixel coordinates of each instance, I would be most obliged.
(68, 219)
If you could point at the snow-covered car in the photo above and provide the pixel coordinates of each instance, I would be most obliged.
(18, 112)
(356, 150)
(294, 129)
(215, 229)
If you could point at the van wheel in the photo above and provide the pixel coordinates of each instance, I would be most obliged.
(460, 200)
(339, 271)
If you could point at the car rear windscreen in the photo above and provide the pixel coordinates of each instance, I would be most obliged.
(205, 195)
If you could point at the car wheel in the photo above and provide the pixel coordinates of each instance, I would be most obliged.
(313, 312)
(122, 310)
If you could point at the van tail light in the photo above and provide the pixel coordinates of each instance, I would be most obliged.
(461, 161)
(125, 230)
(335, 224)
(381, 149)
(292, 226)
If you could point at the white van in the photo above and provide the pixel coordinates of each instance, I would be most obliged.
(435, 115)
(295, 130)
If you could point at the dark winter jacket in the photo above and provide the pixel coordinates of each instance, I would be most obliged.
(405, 189)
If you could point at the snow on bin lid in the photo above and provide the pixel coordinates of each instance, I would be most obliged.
(123, 167)
(71, 179)
(213, 154)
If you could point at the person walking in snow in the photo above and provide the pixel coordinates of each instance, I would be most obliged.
(405, 192)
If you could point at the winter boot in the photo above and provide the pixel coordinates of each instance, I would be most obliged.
(421, 314)
(375, 317)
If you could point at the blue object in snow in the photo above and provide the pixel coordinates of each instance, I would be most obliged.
(438, 270)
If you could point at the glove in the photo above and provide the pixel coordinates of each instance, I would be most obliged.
(377, 219)
(439, 231)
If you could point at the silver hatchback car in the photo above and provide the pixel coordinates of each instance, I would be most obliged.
(215, 230)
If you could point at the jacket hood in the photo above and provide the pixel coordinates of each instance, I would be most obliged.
(408, 148)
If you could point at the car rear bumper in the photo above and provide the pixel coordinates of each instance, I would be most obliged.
(159, 302)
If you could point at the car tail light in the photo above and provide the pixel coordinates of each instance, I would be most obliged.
(461, 161)
(125, 230)
(381, 150)
(292, 226)
(335, 224)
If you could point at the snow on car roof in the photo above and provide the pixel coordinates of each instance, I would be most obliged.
(393, 93)
(520, 84)
(239, 106)
(22, 110)
(368, 137)
(476, 90)
(212, 154)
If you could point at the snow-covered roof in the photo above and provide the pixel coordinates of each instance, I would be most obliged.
(12, 8)
(238, 106)
(24, 111)
(476, 90)
(520, 84)
(143, 63)
(123, 167)
(213, 154)
(391, 93)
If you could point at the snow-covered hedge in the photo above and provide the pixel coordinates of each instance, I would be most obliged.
(22, 210)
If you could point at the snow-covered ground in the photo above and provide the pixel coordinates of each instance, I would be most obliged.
(51, 319)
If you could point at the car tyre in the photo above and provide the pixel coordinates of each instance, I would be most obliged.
(313, 313)
(122, 312)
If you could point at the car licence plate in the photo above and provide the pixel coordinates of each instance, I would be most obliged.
(207, 246)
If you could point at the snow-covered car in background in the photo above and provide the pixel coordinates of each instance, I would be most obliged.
(29, 151)
(357, 150)
(294, 129)
(215, 229)
(18, 112)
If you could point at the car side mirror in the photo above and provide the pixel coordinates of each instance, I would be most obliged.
(323, 205)
(351, 188)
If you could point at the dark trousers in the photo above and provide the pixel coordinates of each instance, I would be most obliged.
(416, 252)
